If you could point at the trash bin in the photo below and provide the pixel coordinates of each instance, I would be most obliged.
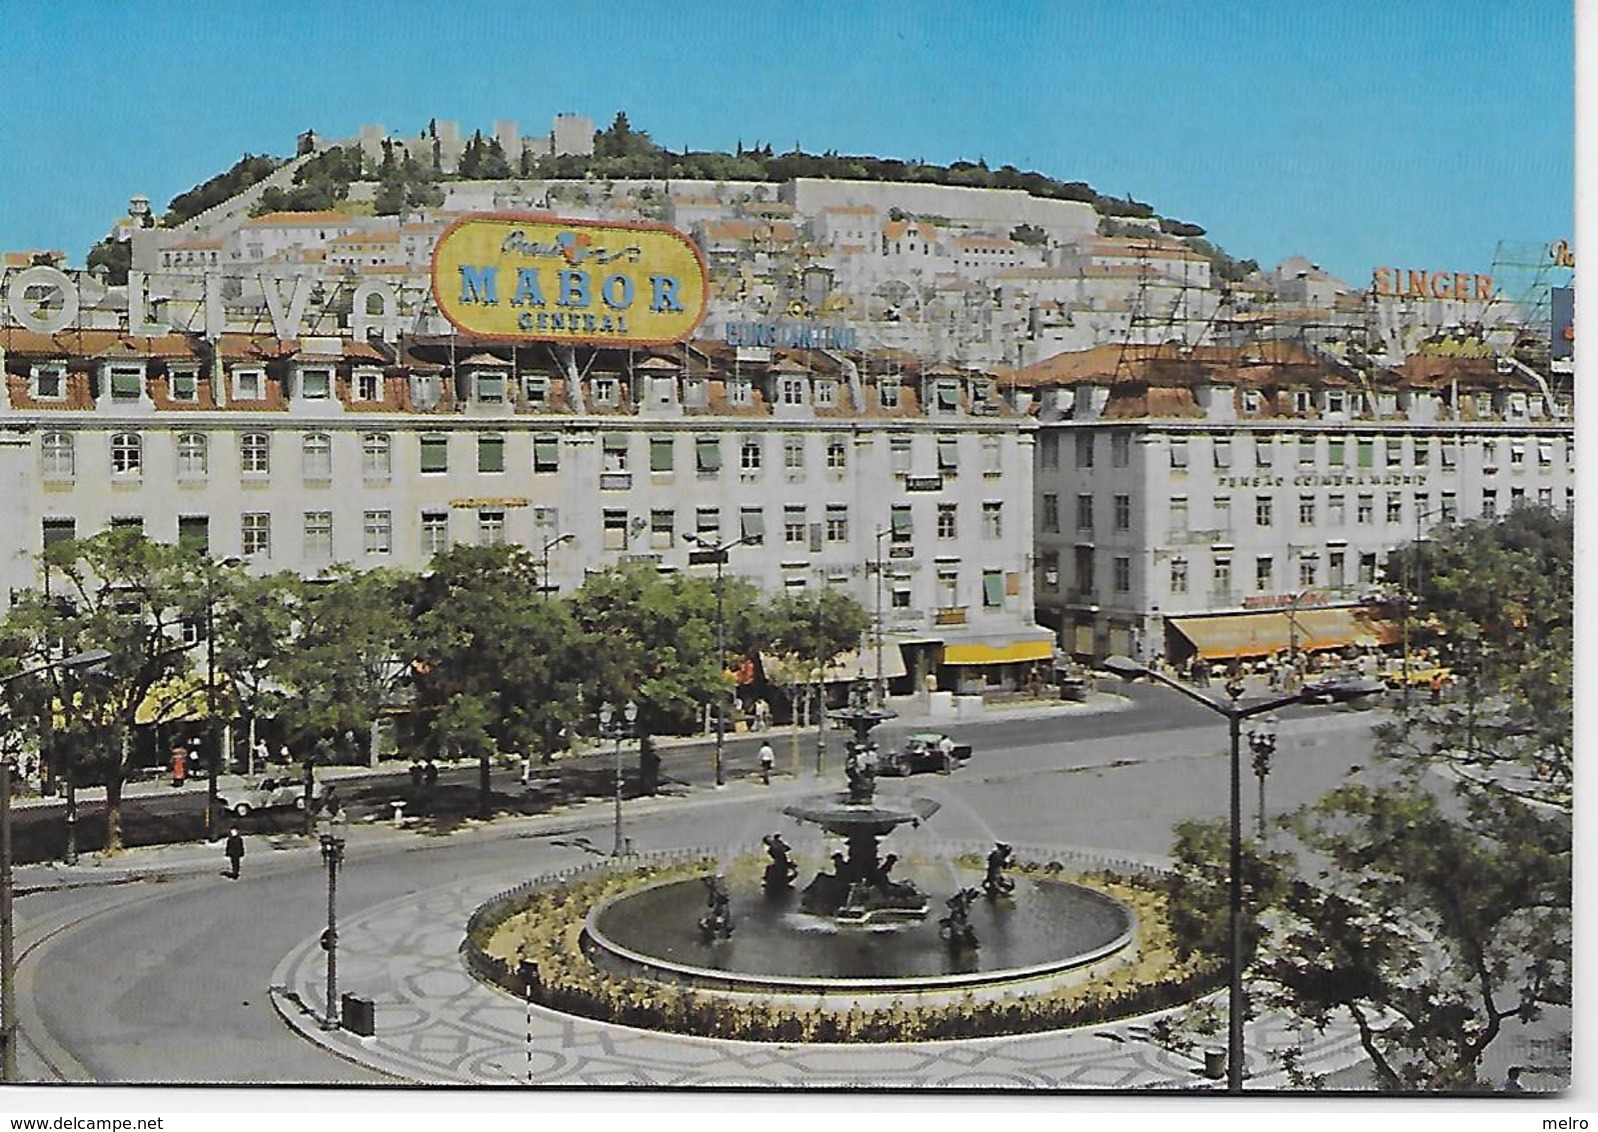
(1215, 1064)
(357, 1015)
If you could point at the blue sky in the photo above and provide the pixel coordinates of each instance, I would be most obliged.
(1360, 134)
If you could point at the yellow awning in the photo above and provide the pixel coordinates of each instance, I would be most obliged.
(976, 653)
(1244, 635)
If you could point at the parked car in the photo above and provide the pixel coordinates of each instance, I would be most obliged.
(267, 794)
(1338, 687)
(922, 751)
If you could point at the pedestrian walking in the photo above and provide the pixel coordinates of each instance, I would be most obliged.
(416, 774)
(1437, 689)
(768, 759)
(946, 749)
(235, 852)
(430, 774)
(527, 769)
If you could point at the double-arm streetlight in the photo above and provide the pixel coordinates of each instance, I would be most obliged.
(618, 728)
(8, 960)
(717, 553)
(1235, 712)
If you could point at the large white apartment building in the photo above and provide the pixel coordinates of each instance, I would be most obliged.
(908, 488)
(1236, 502)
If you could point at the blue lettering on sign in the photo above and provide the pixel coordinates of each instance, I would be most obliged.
(792, 334)
(617, 291)
(479, 285)
(573, 289)
(663, 293)
(587, 324)
(528, 292)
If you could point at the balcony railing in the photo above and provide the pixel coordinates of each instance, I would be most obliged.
(949, 615)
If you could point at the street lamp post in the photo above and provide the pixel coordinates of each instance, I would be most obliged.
(622, 729)
(333, 855)
(543, 578)
(882, 690)
(213, 737)
(1235, 712)
(8, 958)
(717, 553)
(1262, 742)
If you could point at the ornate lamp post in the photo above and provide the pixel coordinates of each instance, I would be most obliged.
(618, 729)
(543, 577)
(333, 855)
(1262, 742)
(8, 959)
(717, 554)
(1235, 712)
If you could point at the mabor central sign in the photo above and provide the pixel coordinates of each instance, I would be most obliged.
(534, 278)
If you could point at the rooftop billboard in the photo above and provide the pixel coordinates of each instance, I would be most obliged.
(537, 278)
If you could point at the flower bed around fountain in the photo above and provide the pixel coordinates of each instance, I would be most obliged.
(536, 935)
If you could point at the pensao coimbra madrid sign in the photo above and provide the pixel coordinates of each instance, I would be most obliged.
(505, 276)
(519, 277)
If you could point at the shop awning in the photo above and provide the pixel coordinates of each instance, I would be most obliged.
(976, 652)
(845, 666)
(1245, 635)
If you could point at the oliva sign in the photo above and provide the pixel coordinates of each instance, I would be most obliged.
(534, 278)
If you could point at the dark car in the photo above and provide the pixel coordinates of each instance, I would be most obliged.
(1340, 687)
(923, 751)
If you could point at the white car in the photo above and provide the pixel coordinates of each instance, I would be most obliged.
(267, 794)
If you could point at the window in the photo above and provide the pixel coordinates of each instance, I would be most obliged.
(1223, 453)
(837, 454)
(376, 458)
(1264, 574)
(435, 453)
(1450, 453)
(249, 385)
(899, 522)
(707, 456)
(1121, 574)
(1051, 514)
(1335, 446)
(1336, 401)
(992, 519)
(318, 536)
(1050, 563)
(1084, 512)
(604, 390)
(255, 534)
(992, 589)
(127, 523)
(662, 454)
(535, 391)
(1084, 570)
(826, 393)
(751, 453)
(316, 384)
(1391, 452)
(1120, 449)
(948, 455)
(1251, 400)
(1366, 447)
(888, 393)
(1179, 452)
(368, 385)
(491, 527)
(490, 452)
(1545, 453)
(1489, 503)
(255, 454)
(1365, 509)
(1049, 450)
(949, 521)
(662, 528)
(50, 382)
(127, 382)
(1545, 497)
(1084, 449)
(183, 385)
(1517, 454)
(615, 451)
(1367, 568)
(378, 532)
(546, 454)
(948, 396)
(1303, 401)
(1517, 497)
(127, 454)
(1264, 450)
(837, 522)
(1395, 507)
(793, 391)
(794, 524)
(707, 523)
(58, 455)
(615, 529)
(1423, 451)
(793, 457)
(1306, 510)
(1448, 510)
(1179, 575)
(316, 456)
(1306, 451)
(194, 533)
(490, 387)
(752, 525)
(1123, 512)
(1223, 513)
(1262, 510)
(192, 455)
(1221, 578)
(1179, 514)
(992, 456)
(1336, 510)
(899, 455)
(435, 532)
(1308, 571)
(740, 392)
(901, 591)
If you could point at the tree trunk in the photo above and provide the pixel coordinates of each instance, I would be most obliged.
(485, 790)
(113, 807)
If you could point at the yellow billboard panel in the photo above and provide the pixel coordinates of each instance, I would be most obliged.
(539, 278)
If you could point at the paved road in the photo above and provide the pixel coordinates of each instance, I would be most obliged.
(168, 982)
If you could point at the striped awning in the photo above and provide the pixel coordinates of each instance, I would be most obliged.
(1246, 635)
